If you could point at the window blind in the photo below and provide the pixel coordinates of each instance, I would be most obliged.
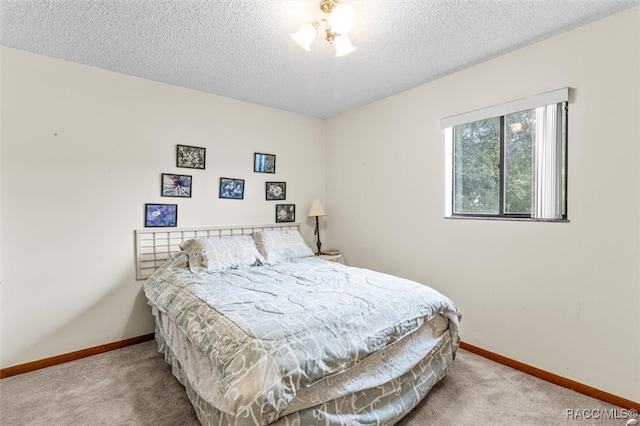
(547, 200)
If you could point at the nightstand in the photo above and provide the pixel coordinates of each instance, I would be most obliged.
(333, 258)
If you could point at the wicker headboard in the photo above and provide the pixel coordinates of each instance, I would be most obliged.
(154, 245)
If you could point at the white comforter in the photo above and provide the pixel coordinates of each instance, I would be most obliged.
(271, 332)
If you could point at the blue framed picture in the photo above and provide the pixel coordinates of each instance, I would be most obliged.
(264, 163)
(160, 215)
(232, 189)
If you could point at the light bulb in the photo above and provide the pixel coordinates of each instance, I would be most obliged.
(342, 18)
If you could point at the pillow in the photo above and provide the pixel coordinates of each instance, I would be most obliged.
(280, 246)
(213, 254)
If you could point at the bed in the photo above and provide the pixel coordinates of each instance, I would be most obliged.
(261, 332)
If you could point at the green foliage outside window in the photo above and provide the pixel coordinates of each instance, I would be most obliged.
(477, 161)
(519, 145)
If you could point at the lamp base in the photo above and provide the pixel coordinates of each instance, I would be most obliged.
(317, 232)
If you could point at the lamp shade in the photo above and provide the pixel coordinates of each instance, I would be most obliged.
(305, 36)
(316, 209)
(343, 45)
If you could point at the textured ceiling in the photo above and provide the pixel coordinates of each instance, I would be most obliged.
(241, 48)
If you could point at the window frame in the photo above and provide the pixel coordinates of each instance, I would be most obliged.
(558, 97)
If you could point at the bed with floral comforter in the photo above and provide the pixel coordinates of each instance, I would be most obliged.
(303, 342)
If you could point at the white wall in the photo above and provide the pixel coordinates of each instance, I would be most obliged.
(576, 314)
(82, 151)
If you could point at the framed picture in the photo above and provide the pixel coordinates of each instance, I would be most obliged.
(264, 163)
(190, 157)
(160, 215)
(176, 185)
(276, 191)
(231, 188)
(285, 213)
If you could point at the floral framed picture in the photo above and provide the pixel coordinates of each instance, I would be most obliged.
(175, 185)
(276, 191)
(264, 163)
(231, 188)
(285, 213)
(160, 215)
(190, 157)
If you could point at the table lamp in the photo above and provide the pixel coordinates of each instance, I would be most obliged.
(317, 211)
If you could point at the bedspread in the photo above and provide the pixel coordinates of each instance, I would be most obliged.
(271, 330)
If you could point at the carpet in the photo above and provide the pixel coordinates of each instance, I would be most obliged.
(134, 386)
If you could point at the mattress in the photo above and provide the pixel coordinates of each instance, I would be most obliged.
(301, 342)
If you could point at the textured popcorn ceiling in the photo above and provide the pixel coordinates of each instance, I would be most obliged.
(241, 48)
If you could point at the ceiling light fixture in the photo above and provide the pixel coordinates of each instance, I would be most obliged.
(340, 22)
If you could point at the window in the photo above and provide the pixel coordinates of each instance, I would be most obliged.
(509, 161)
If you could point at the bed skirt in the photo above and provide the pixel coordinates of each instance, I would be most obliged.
(382, 405)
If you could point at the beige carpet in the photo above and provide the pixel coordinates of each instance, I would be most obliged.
(134, 386)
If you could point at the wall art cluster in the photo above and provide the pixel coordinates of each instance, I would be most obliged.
(180, 186)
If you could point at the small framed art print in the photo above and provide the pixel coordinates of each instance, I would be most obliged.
(276, 191)
(176, 185)
(231, 188)
(264, 163)
(190, 157)
(160, 215)
(285, 213)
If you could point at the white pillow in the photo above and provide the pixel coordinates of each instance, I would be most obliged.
(213, 254)
(281, 245)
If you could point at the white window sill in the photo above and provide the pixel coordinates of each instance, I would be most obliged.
(510, 219)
